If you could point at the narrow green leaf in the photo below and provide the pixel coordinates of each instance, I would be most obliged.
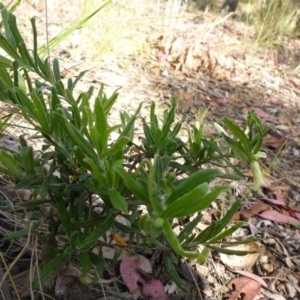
(231, 176)
(63, 214)
(133, 186)
(100, 116)
(75, 109)
(203, 256)
(75, 135)
(5, 62)
(27, 104)
(8, 33)
(227, 218)
(23, 232)
(34, 32)
(11, 165)
(118, 201)
(239, 134)
(74, 239)
(226, 232)
(49, 270)
(89, 224)
(192, 182)
(116, 147)
(206, 234)
(97, 260)
(184, 168)
(8, 48)
(175, 131)
(195, 204)
(20, 43)
(85, 261)
(104, 225)
(40, 112)
(148, 134)
(230, 252)
(97, 171)
(55, 101)
(166, 129)
(180, 204)
(237, 148)
(28, 159)
(130, 123)
(174, 242)
(153, 117)
(81, 74)
(6, 81)
(43, 69)
(110, 102)
(171, 271)
(27, 183)
(187, 231)
(56, 70)
(80, 156)
(244, 242)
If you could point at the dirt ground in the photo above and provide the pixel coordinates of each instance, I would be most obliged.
(211, 65)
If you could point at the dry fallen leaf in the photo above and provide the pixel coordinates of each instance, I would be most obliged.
(275, 201)
(243, 288)
(253, 277)
(287, 210)
(274, 142)
(255, 209)
(260, 113)
(136, 269)
(274, 215)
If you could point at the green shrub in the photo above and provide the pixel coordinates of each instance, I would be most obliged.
(80, 163)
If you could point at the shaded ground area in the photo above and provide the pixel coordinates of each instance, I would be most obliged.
(211, 66)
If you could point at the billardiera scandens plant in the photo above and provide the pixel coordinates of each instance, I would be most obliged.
(246, 145)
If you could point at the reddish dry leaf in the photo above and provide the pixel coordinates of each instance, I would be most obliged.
(255, 209)
(274, 142)
(260, 113)
(129, 273)
(221, 101)
(289, 211)
(253, 277)
(132, 271)
(296, 275)
(273, 215)
(277, 189)
(293, 83)
(275, 201)
(276, 101)
(154, 289)
(278, 193)
(243, 288)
